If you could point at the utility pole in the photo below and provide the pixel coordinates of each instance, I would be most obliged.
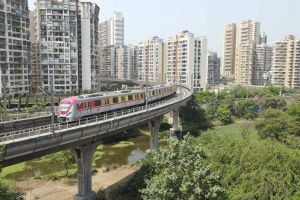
(4, 83)
(52, 104)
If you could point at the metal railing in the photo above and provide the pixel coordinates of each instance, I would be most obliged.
(47, 129)
(25, 115)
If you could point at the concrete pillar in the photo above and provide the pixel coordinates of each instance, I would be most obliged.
(154, 125)
(84, 158)
(175, 131)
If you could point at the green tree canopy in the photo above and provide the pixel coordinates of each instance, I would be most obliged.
(223, 114)
(181, 171)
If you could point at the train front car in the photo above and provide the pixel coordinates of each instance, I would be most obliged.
(66, 109)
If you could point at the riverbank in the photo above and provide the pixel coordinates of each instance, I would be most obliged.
(66, 188)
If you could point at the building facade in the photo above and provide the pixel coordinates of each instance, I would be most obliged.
(14, 47)
(214, 63)
(186, 60)
(111, 35)
(286, 63)
(67, 42)
(126, 62)
(150, 60)
(107, 62)
(248, 37)
(263, 63)
(229, 45)
(88, 35)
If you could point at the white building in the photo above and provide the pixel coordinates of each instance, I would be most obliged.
(89, 66)
(186, 60)
(14, 46)
(150, 60)
(112, 31)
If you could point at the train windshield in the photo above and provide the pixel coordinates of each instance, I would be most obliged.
(63, 106)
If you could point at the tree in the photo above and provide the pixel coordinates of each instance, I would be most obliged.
(245, 108)
(223, 114)
(193, 117)
(181, 171)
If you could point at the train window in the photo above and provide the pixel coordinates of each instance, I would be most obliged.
(123, 99)
(142, 95)
(81, 106)
(130, 97)
(115, 100)
(102, 102)
(153, 93)
(92, 105)
(97, 103)
(110, 101)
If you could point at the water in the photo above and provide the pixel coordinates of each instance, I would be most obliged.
(127, 148)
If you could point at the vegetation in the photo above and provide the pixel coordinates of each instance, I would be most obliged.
(6, 194)
(251, 167)
(180, 171)
(257, 159)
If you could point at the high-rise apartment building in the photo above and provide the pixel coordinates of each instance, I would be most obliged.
(228, 63)
(213, 74)
(126, 62)
(107, 62)
(57, 29)
(286, 63)
(36, 72)
(263, 63)
(112, 31)
(67, 38)
(14, 47)
(111, 35)
(248, 36)
(150, 60)
(88, 35)
(186, 60)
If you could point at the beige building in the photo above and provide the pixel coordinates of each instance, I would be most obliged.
(286, 63)
(186, 60)
(150, 60)
(229, 45)
(248, 36)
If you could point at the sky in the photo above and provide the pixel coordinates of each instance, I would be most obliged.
(164, 18)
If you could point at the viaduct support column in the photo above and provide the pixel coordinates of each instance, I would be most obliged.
(175, 128)
(154, 125)
(84, 158)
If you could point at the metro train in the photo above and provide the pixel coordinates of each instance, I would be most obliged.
(74, 108)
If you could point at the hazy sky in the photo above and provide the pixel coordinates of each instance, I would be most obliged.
(164, 18)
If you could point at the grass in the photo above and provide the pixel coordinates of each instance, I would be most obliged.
(12, 169)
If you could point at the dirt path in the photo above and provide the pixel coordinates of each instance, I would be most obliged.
(65, 189)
